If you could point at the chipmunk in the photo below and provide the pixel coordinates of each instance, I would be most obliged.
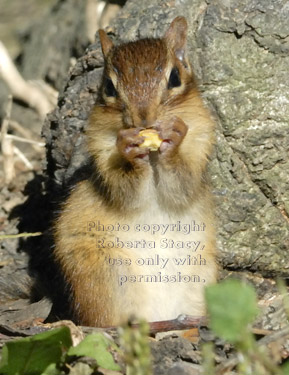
(138, 237)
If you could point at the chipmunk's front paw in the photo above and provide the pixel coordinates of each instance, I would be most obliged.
(128, 143)
(172, 133)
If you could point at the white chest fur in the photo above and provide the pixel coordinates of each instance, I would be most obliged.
(162, 260)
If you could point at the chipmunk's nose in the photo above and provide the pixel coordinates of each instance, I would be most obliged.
(147, 118)
(140, 117)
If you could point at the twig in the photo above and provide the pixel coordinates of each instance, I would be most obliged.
(275, 336)
(20, 129)
(182, 322)
(9, 150)
(26, 133)
(94, 9)
(22, 157)
(25, 91)
(109, 13)
(7, 146)
(24, 140)
(20, 235)
(99, 14)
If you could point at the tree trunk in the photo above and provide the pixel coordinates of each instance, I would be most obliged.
(239, 51)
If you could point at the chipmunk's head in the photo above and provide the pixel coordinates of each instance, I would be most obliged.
(144, 77)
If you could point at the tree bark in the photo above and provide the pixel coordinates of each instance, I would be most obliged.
(239, 51)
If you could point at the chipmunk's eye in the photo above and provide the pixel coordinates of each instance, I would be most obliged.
(109, 88)
(174, 80)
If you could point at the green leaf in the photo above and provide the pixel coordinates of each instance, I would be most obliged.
(32, 355)
(285, 369)
(96, 346)
(81, 369)
(232, 305)
(51, 370)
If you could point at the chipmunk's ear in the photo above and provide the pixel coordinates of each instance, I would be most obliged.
(106, 43)
(176, 37)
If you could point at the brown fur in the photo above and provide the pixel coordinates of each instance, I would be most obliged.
(126, 189)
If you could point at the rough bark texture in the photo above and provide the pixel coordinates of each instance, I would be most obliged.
(239, 49)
